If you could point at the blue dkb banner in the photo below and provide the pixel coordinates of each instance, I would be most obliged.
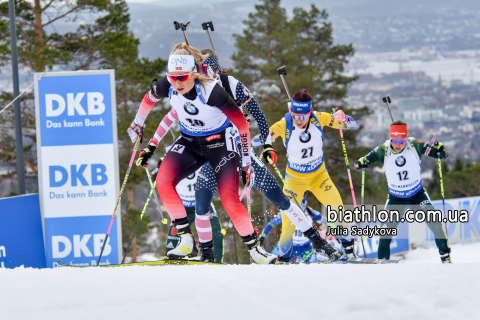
(76, 122)
(21, 234)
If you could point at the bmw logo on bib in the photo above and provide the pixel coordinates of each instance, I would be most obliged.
(190, 177)
(190, 108)
(305, 137)
(400, 161)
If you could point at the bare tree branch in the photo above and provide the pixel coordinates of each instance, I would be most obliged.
(463, 191)
(63, 15)
(18, 21)
(131, 93)
(48, 5)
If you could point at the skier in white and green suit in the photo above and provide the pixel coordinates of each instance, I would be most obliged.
(401, 157)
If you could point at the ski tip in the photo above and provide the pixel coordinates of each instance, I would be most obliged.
(61, 263)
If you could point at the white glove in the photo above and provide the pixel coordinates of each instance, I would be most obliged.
(340, 116)
(248, 176)
(134, 131)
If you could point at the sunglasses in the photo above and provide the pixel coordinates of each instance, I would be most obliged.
(301, 117)
(399, 141)
(180, 77)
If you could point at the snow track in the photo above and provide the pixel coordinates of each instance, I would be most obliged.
(416, 288)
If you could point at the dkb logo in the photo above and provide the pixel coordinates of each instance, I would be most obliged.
(62, 246)
(59, 175)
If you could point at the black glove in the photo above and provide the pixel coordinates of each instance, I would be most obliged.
(269, 154)
(438, 147)
(145, 155)
(361, 163)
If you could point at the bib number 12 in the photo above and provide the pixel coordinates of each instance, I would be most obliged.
(403, 175)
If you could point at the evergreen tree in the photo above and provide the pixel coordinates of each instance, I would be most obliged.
(305, 45)
(458, 166)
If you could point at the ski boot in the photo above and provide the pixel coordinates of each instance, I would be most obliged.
(258, 253)
(206, 252)
(186, 246)
(321, 245)
(281, 260)
(445, 255)
(349, 248)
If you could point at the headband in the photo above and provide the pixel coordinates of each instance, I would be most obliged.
(398, 131)
(301, 107)
(181, 62)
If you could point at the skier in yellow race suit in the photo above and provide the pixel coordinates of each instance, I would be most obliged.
(302, 133)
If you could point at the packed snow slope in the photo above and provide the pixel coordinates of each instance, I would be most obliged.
(419, 287)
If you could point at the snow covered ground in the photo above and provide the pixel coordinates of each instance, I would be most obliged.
(419, 287)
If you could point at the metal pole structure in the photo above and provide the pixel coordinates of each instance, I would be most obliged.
(205, 26)
(265, 221)
(16, 91)
(282, 71)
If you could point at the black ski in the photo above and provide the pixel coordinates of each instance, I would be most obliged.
(165, 261)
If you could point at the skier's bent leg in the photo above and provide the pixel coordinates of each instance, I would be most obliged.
(276, 196)
(384, 243)
(204, 227)
(384, 248)
(226, 163)
(205, 189)
(441, 237)
(173, 238)
(285, 243)
(176, 167)
(327, 193)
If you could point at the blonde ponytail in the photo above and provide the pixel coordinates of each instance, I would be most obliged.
(184, 49)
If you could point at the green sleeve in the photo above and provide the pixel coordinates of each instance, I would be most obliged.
(420, 147)
(376, 155)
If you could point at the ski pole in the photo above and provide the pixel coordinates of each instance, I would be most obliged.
(286, 185)
(135, 148)
(441, 188)
(387, 100)
(164, 221)
(234, 238)
(346, 160)
(363, 196)
(249, 208)
(138, 224)
(432, 141)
